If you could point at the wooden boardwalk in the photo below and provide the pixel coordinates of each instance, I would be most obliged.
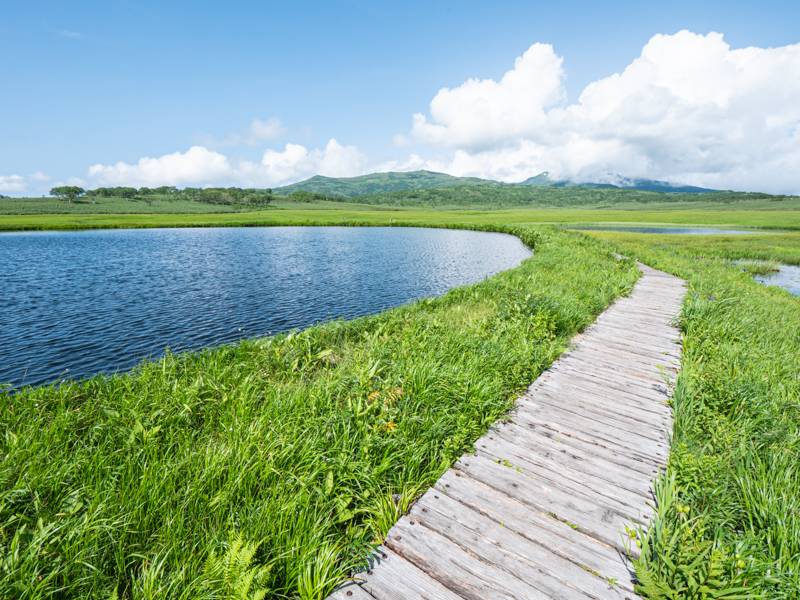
(540, 509)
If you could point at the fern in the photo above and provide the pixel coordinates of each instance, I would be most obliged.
(232, 574)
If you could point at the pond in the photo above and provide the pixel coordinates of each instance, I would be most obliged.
(667, 230)
(80, 303)
(787, 277)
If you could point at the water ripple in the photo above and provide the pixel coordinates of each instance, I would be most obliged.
(78, 303)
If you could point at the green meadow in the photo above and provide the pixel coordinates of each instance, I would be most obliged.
(351, 214)
(269, 467)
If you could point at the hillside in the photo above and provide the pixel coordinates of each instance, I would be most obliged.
(375, 183)
(541, 196)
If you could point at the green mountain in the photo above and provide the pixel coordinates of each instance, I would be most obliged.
(377, 183)
(385, 183)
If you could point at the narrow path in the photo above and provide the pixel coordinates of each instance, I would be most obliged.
(540, 509)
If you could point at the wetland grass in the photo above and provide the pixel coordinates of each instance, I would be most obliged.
(270, 466)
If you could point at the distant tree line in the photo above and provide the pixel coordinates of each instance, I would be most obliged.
(304, 196)
(70, 193)
(230, 195)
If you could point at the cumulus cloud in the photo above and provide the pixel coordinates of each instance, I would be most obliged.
(484, 111)
(200, 166)
(12, 184)
(690, 108)
(296, 162)
(24, 184)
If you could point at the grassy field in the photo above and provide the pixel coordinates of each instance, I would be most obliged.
(282, 459)
(340, 213)
(101, 205)
(523, 196)
(465, 205)
(779, 247)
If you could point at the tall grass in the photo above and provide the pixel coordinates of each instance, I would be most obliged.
(268, 467)
(728, 523)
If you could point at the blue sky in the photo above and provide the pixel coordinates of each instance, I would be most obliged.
(89, 83)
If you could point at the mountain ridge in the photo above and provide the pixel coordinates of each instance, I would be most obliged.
(397, 181)
(386, 181)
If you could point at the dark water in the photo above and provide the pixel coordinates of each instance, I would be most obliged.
(668, 230)
(78, 303)
(788, 277)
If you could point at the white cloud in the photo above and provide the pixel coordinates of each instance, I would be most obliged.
(484, 111)
(268, 129)
(200, 166)
(24, 184)
(296, 162)
(340, 161)
(279, 165)
(196, 166)
(11, 184)
(689, 108)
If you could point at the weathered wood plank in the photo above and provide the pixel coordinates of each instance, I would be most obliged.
(584, 428)
(585, 551)
(393, 577)
(545, 570)
(611, 402)
(644, 424)
(585, 514)
(610, 364)
(596, 462)
(640, 466)
(653, 391)
(603, 483)
(467, 573)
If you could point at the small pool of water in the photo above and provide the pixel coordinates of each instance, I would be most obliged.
(79, 303)
(666, 230)
(788, 277)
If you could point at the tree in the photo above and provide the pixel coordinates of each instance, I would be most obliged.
(67, 192)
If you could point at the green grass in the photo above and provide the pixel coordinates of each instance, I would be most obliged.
(779, 247)
(275, 463)
(728, 522)
(284, 213)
